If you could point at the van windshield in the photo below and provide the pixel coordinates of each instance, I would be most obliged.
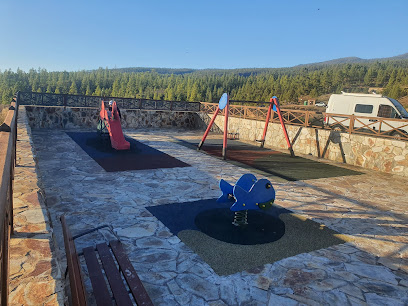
(400, 108)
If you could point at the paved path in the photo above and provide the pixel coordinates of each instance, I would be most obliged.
(372, 208)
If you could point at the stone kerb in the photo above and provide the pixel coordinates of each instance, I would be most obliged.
(381, 154)
(73, 117)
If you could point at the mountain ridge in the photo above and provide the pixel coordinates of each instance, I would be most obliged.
(355, 60)
(248, 71)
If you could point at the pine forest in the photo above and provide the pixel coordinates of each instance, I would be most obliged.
(259, 84)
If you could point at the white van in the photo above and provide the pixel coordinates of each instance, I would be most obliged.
(372, 106)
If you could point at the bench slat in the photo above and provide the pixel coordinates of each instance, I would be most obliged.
(134, 283)
(101, 292)
(115, 280)
(75, 277)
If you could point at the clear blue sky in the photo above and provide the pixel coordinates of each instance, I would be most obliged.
(74, 35)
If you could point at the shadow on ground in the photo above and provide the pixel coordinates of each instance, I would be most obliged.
(279, 164)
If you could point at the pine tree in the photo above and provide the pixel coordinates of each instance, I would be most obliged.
(195, 95)
(208, 95)
(88, 91)
(73, 89)
(395, 91)
(369, 77)
(98, 91)
(169, 94)
(116, 88)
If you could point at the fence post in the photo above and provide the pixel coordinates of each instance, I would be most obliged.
(351, 126)
(307, 118)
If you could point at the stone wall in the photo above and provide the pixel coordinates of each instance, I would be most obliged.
(381, 154)
(73, 117)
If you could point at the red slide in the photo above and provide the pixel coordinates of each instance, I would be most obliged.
(118, 141)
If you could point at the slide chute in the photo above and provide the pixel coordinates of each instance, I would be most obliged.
(112, 123)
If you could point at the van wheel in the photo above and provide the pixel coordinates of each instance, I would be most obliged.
(400, 135)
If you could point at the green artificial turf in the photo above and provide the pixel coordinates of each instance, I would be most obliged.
(301, 236)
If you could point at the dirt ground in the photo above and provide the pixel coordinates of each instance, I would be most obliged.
(3, 112)
(404, 101)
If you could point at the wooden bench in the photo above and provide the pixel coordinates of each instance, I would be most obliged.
(108, 266)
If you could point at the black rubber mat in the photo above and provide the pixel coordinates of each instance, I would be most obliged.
(139, 157)
(272, 162)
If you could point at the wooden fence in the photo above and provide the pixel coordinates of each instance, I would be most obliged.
(8, 137)
(373, 126)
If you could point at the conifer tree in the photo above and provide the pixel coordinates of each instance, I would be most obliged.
(73, 89)
(98, 91)
(169, 94)
(88, 91)
(195, 95)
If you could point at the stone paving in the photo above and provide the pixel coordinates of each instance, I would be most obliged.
(371, 208)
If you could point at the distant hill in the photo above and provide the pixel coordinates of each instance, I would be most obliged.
(355, 60)
(338, 61)
(158, 70)
(248, 71)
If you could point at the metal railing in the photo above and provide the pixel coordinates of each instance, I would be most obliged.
(373, 126)
(48, 99)
(8, 137)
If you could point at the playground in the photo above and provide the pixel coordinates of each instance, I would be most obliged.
(336, 236)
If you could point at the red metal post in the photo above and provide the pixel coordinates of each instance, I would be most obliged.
(268, 116)
(208, 128)
(224, 144)
(275, 101)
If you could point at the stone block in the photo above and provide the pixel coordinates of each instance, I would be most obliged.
(399, 143)
(375, 299)
(397, 151)
(398, 169)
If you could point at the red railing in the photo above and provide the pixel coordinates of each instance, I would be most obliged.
(373, 126)
(8, 137)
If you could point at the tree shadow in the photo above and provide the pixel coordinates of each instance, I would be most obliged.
(334, 138)
(297, 135)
